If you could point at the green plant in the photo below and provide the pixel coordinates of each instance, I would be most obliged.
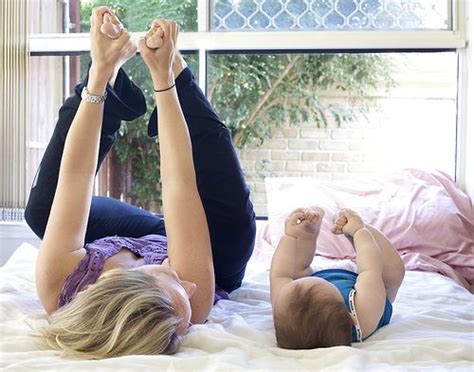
(257, 93)
(253, 93)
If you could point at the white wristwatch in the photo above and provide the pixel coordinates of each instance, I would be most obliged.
(92, 98)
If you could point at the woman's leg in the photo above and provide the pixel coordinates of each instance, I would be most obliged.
(107, 216)
(224, 193)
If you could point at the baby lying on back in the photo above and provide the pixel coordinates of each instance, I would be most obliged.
(335, 306)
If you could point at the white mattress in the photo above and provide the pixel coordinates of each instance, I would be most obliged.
(432, 328)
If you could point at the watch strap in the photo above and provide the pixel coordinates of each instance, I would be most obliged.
(92, 98)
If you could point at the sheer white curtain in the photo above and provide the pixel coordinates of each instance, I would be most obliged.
(13, 106)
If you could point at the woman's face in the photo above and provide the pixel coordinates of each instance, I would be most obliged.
(180, 290)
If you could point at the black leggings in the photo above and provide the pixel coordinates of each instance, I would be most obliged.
(221, 184)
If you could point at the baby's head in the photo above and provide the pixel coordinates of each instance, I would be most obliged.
(310, 313)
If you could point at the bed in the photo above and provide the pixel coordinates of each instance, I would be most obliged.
(433, 320)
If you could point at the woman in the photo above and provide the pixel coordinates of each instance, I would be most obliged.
(111, 279)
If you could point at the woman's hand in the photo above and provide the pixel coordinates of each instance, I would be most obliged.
(304, 223)
(106, 53)
(348, 222)
(160, 60)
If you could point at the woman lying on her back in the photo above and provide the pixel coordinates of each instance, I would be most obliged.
(111, 279)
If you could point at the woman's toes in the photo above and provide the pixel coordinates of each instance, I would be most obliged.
(111, 26)
(154, 37)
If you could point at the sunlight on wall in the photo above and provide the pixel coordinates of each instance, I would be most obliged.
(417, 120)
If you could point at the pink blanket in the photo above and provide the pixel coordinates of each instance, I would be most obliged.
(429, 220)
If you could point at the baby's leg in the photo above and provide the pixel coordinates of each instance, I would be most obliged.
(393, 267)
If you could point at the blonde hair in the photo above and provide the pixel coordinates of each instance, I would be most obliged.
(312, 320)
(123, 313)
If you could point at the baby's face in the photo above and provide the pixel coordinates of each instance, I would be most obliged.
(313, 285)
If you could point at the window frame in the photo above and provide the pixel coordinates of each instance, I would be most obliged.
(205, 41)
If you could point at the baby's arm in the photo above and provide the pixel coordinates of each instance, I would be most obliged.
(370, 290)
(295, 251)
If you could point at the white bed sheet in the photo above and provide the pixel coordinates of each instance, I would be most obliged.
(432, 328)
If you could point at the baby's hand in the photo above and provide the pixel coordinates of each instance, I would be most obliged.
(304, 223)
(348, 222)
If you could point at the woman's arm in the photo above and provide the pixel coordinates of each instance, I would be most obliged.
(189, 246)
(66, 227)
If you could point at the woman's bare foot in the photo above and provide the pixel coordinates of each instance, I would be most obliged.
(111, 26)
(154, 40)
(128, 52)
(154, 36)
(179, 64)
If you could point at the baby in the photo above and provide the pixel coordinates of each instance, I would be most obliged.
(335, 306)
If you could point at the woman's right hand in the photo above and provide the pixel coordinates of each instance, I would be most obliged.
(160, 60)
(106, 53)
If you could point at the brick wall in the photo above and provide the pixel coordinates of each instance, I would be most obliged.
(305, 151)
(413, 125)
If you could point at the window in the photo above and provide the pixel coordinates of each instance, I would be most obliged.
(405, 118)
(327, 15)
(399, 111)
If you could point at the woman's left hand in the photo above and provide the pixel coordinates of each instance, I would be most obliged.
(160, 60)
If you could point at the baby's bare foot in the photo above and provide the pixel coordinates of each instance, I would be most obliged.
(339, 223)
(318, 211)
(313, 216)
(154, 36)
(111, 26)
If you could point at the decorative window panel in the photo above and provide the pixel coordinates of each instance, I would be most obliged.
(232, 15)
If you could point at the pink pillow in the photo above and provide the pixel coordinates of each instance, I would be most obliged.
(429, 220)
